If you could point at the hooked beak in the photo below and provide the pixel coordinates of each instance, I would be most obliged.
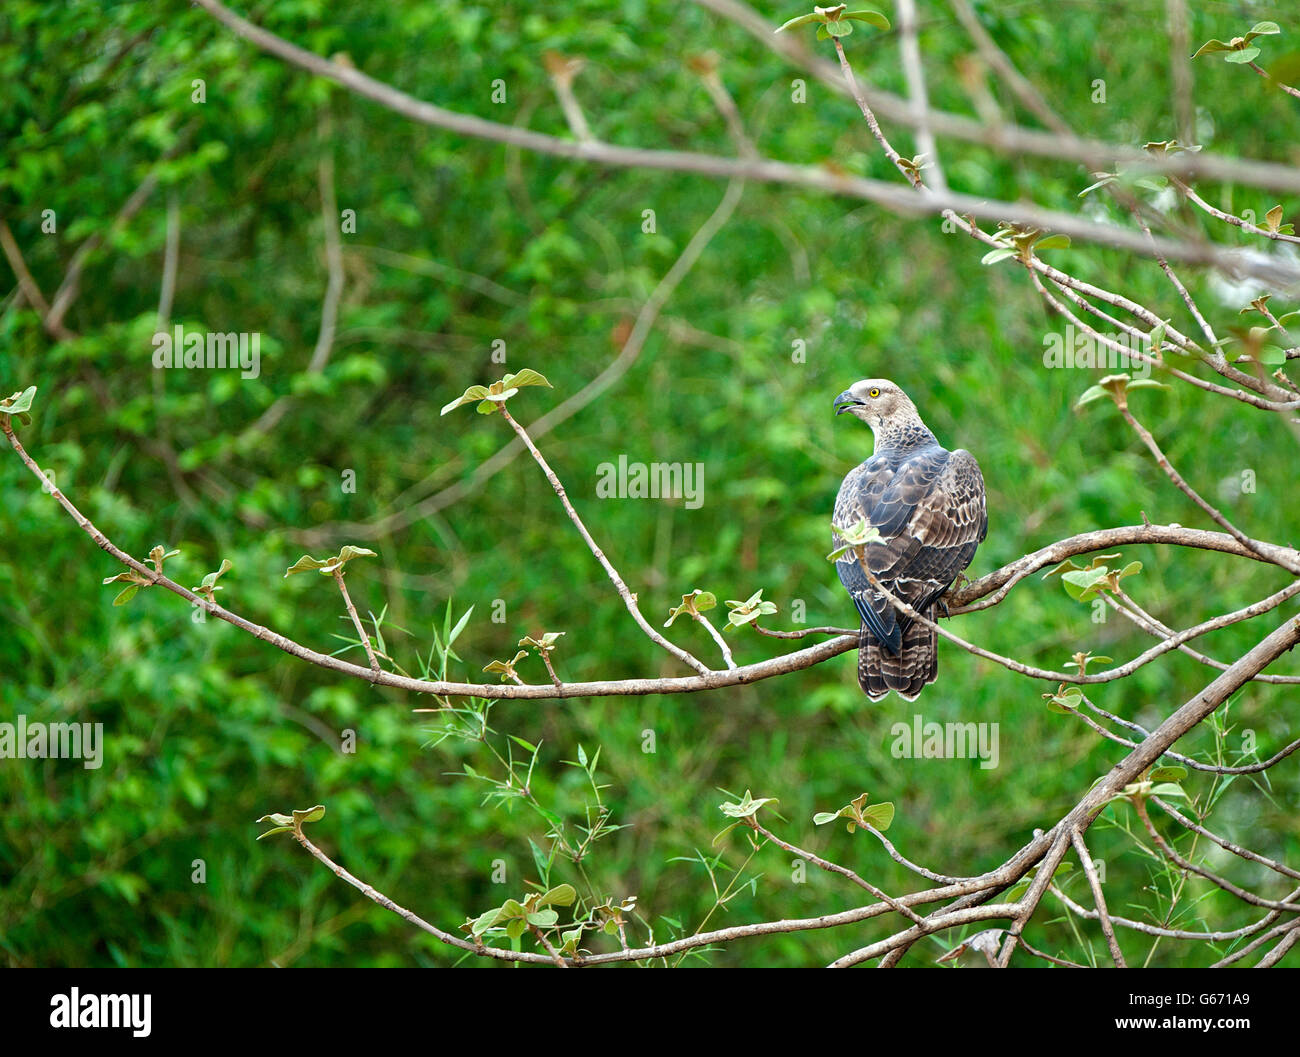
(845, 401)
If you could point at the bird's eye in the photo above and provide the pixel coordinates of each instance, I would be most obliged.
(875, 392)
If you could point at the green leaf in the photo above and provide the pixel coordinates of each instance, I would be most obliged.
(1116, 386)
(209, 581)
(752, 608)
(489, 397)
(1057, 704)
(993, 256)
(454, 634)
(543, 919)
(327, 566)
(1106, 178)
(283, 824)
(839, 29)
(506, 668)
(306, 564)
(856, 535)
(874, 18)
(485, 921)
(747, 808)
(1066, 701)
(693, 604)
(1053, 242)
(1082, 585)
(1168, 773)
(523, 378)
(1064, 566)
(1242, 57)
(1090, 394)
(474, 392)
(718, 837)
(310, 814)
(126, 595)
(560, 896)
(544, 644)
(802, 20)
(879, 815)
(1211, 46)
(542, 863)
(19, 402)
(1261, 29)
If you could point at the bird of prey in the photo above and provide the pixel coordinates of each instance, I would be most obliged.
(927, 503)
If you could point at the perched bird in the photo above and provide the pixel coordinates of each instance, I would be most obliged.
(928, 505)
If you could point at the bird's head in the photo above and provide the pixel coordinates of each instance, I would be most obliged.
(877, 402)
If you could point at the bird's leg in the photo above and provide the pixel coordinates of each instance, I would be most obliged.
(961, 581)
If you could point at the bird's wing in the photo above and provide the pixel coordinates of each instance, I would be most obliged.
(948, 523)
(930, 513)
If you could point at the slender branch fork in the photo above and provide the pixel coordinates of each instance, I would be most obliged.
(965, 900)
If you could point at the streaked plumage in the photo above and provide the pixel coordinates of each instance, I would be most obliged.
(928, 505)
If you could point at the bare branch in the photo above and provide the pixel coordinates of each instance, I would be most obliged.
(835, 868)
(1094, 882)
(629, 599)
(1012, 140)
(356, 621)
(28, 285)
(1173, 934)
(1182, 485)
(329, 311)
(1227, 845)
(1168, 851)
(909, 48)
(889, 196)
(991, 589)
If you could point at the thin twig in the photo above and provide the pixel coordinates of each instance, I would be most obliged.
(28, 285)
(356, 621)
(1094, 882)
(1227, 845)
(629, 599)
(1163, 462)
(722, 643)
(836, 868)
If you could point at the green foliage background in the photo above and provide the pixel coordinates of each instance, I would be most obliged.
(207, 728)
